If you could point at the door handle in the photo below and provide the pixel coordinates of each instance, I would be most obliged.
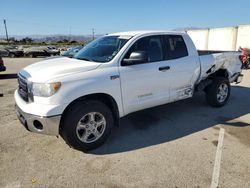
(164, 68)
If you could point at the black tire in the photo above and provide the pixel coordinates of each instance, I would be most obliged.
(213, 89)
(68, 129)
(30, 55)
(12, 55)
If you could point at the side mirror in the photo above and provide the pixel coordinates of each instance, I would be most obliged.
(136, 57)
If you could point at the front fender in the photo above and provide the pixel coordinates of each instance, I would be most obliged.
(73, 90)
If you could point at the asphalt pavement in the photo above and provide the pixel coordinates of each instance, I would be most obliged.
(174, 145)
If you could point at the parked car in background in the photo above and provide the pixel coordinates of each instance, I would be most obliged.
(62, 49)
(53, 51)
(35, 52)
(3, 52)
(2, 67)
(72, 51)
(14, 52)
(40, 51)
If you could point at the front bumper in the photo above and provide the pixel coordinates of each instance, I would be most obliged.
(39, 124)
(39, 118)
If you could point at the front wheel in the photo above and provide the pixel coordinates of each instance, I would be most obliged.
(87, 125)
(218, 92)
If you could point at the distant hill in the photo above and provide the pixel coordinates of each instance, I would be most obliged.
(53, 38)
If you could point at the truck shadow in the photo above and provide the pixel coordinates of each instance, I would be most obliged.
(176, 120)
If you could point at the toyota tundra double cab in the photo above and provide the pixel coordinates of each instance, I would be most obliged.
(82, 98)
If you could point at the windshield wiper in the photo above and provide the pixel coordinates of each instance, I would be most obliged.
(84, 58)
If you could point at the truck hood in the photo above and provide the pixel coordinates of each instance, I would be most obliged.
(53, 68)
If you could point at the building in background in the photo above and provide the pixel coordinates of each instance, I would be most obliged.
(224, 39)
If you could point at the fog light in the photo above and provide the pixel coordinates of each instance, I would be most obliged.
(38, 125)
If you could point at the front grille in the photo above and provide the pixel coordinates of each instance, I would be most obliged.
(23, 88)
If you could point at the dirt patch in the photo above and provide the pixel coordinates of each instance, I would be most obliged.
(241, 133)
(236, 127)
(215, 142)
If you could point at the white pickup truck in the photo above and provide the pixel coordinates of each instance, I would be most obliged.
(81, 98)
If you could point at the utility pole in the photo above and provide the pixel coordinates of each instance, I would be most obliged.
(6, 31)
(70, 38)
(93, 33)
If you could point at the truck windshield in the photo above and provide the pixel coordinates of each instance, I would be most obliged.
(102, 49)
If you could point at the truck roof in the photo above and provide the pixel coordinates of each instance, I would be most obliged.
(133, 33)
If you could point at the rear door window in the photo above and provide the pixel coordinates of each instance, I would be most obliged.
(175, 47)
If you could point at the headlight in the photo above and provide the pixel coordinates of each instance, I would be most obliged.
(45, 90)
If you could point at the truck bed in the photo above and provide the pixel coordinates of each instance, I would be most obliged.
(211, 61)
(208, 52)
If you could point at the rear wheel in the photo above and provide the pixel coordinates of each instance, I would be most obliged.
(218, 92)
(87, 125)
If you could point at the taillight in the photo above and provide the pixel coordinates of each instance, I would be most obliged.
(1, 61)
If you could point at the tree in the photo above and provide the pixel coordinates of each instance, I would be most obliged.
(73, 42)
(65, 41)
(26, 40)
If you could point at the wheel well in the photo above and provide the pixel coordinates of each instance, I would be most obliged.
(102, 97)
(220, 72)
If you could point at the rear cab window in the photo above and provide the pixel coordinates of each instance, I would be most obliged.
(175, 47)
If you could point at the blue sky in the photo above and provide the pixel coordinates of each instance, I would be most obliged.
(26, 17)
